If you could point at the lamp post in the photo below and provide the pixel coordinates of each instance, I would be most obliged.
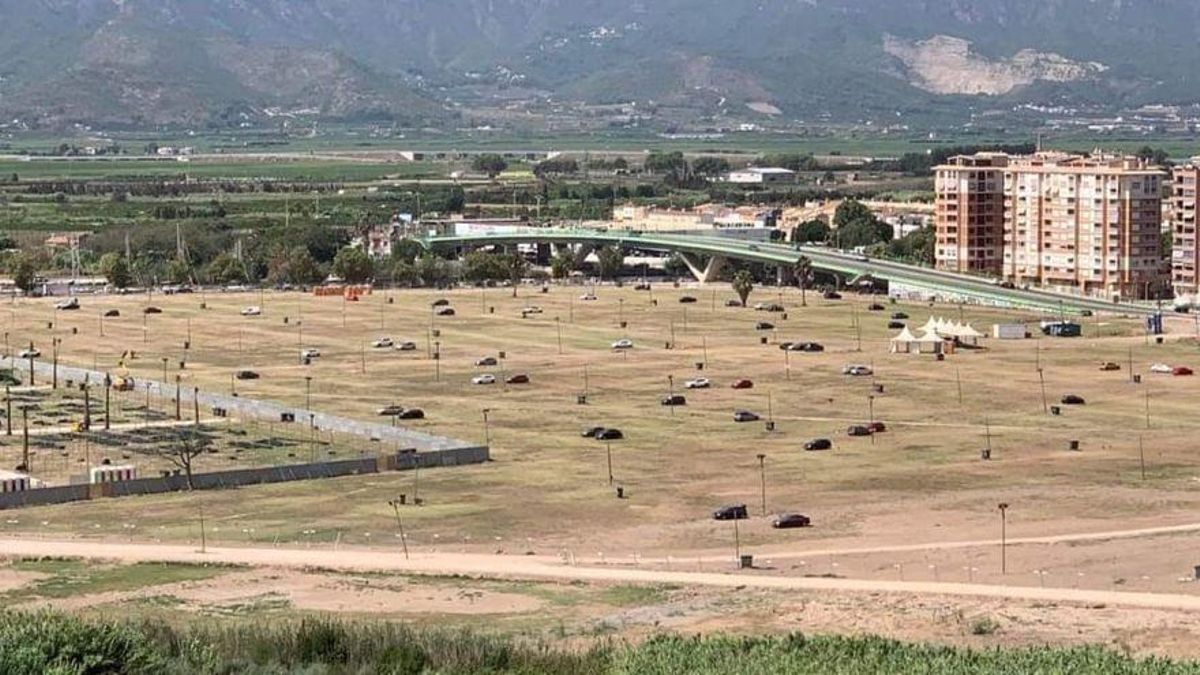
(762, 475)
(1003, 537)
(487, 428)
(671, 393)
(308, 392)
(164, 377)
(608, 450)
(395, 504)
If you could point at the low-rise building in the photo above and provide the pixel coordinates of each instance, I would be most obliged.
(761, 176)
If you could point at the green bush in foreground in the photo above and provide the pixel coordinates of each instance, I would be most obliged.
(65, 645)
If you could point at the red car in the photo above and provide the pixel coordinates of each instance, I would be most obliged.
(1182, 370)
(743, 384)
(877, 427)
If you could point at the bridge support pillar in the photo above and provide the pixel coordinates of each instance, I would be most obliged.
(784, 276)
(708, 274)
(543, 254)
(581, 254)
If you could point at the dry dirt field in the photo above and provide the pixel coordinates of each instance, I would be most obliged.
(922, 482)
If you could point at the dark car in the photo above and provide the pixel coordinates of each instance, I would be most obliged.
(763, 325)
(687, 300)
(832, 295)
(745, 416)
(487, 361)
(1086, 312)
(642, 286)
(441, 302)
(390, 410)
(608, 435)
(1182, 370)
(445, 311)
(899, 316)
(1073, 399)
(520, 378)
(412, 414)
(810, 347)
(818, 444)
(733, 303)
(676, 399)
(785, 346)
(152, 310)
(790, 520)
(591, 432)
(859, 430)
(247, 375)
(112, 313)
(877, 427)
(742, 384)
(876, 307)
(896, 325)
(775, 308)
(731, 512)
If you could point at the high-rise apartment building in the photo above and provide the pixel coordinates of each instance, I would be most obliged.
(1185, 255)
(1090, 225)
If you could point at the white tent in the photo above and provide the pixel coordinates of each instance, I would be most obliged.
(905, 343)
(969, 333)
(931, 324)
(931, 342)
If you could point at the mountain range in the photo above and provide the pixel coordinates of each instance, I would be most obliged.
(440, 62)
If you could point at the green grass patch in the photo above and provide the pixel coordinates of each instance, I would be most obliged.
(76, 577)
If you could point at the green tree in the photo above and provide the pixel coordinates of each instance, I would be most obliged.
(23, 269)
(295, 266)
(405, 274)
(517, 267)
(179, 271)
(810, 231)
(857, 225)
(743, 284)
(407, 250)
(670, 163)
(226, 269)
(710, 166)
(491, 164)
(115, 268)
(610, 259)
(803, 272)
(353, 265)
(481, 266)
(562, 265)
(433, 271)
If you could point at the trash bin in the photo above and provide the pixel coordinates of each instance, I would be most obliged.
(620, 492)
(403, 498)
(746, 562)
(771, 426)
(1196, 572)
(762, 340)
(491, 310)
(391, 301)
(286, 320)
(504, 355)
(985, 454)
(581, 399)
(1075, 445)
(878, 388)
(941, 357)
(624, 324)
(436, 332)
(699, 365)
(1158, 340)
(1137, 379)
(783, 316)
(1055, 410)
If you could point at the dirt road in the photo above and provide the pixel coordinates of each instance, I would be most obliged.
(544, 567)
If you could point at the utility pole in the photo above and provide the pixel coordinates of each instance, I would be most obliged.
(25, 437)
(1142, 456)
(1004, 537)
(762, 475)
(395, 504)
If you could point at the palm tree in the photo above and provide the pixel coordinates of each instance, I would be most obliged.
(803, 271)
(743, 283)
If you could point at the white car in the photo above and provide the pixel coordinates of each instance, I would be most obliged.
(252, 311)
(383, 343)
(533, 309)
(406, 346)
(587, 297)
(69, 303)
(856, 370)
(623, 344)
(310, 353)
(30, 353)
(698, 383)
(486, 378)
(1161, 368)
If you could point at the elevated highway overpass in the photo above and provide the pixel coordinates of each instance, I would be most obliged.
(705, 256)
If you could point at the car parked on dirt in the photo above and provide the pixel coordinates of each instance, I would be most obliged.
(486, 378)
(1109, 366)
(745, 416)
(389, 410)
(383, 343)
(818, 444)
(674, 400)
(859, 430)
(412, 414)
(731, 512)
(608, 435)
(519, 378)
(790, 520)
(622, 344)
(698, 383)
(687, 300)
(487, 361)
(1073, 399)
(764, 325)
(742, 384)
(247, 375)
(444, 311)
(1181, 371)
(856, 370)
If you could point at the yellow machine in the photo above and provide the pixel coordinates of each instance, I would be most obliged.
(122, 381)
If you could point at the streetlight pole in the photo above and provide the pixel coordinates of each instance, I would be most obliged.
(308, 392)
(1003, 537)
(671, 388)
(487, 428)
(395, 504)
(762, 474)
(608, 449)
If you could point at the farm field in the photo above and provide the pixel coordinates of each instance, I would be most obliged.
(887, 507)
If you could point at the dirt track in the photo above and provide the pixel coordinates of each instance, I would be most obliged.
(544, 567)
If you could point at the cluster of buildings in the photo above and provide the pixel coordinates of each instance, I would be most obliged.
(703, 218)
(1086, 224)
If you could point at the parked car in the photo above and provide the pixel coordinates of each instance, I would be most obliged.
(608, 435)
(251, 311)
(832, 295)
(810, 347)
(895, 325)
(623, 344)
(698, 383)
(1109, 366)
(732, 512)
(407, 346)
(877, 427)
(789, 520)
(786, 346)
(1181, 371)
(444, 311)
(152, 310)
(532, 309)
(742, 384)
(733, 302)
(112, 313)
(31, 353)
(1085, 313)
(310, 353)
(745, 416)
(763, 325)
(687, 300)
(441, 302)
(1072, 399)
(856, 370)
(68, 304)
(775, 308)
(591, 432)
(383, 343)
(247, 375)
(486, 378)
(487, 361)
(642, 286)
(390, 410)
(674, 400)
(818, 444)
(588, 297)
(859, 430)
(1161, 368)
(519, 378)
(875, 307)
(412, 414)
(899, 316)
